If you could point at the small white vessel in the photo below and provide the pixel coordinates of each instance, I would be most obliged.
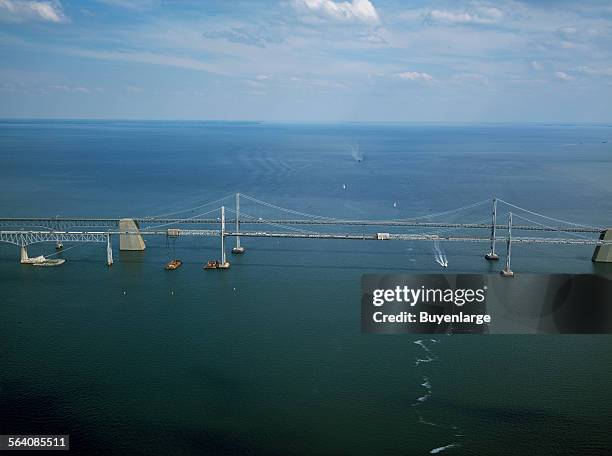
(40, 260)
(50, 262)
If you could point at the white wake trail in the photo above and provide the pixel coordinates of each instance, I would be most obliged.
(427, 386)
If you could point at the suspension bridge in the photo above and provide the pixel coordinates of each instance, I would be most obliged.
(25, 231)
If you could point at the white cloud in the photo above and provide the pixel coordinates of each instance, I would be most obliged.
(372, 39)
(563, 76)
(471, 79)
(567, 31)
(414, 76)
(595, 71)
(481, 15)
(66, 88)
(28, 10)
(535, 65)
(133, 89)
(132, 4)
(362, 11)
(146, 57)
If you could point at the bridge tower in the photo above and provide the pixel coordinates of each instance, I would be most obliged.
(492, 256)
(507, 272)
(224, 263)
(238, 249)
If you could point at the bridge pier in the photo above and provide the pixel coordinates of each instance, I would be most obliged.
(109, 251)
(507, 272)
(603, 253)
(492, 256)
(130, 238)
(24, 254)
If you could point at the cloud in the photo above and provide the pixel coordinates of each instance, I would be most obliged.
(360, 11)
(567, 31)
(475, 79)
(254, 36)
(75, 89)
(564, 76)
(315, 83)
(372, 39)
(26, 10)
(480, 15)
(149, 58)
(535, 65)
(595, 71)
(414, 76)
(132, 4)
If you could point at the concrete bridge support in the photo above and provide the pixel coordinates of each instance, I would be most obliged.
(109, 251)
(130, 238)
(24, 254)
(603, 253)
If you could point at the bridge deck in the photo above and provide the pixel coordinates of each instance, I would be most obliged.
(15, 236)
(64, 223)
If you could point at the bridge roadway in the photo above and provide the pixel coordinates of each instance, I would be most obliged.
(57, 223)
(21, 237)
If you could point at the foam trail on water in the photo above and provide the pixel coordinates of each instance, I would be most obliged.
(439, 255)
(427, 385)
(440, 449)
(422, 344)
(356, 153)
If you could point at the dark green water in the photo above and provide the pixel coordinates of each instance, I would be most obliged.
(267, 357)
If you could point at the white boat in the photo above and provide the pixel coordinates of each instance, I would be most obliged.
(50, 262)
(42, 261)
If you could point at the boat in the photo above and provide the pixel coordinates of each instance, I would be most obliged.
(238, 250)
(173, 264)
(42, 261)
(49, 262)
(216, 264)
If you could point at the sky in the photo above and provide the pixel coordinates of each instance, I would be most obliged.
(307, 60)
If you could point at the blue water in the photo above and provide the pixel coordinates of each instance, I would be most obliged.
(267, 357)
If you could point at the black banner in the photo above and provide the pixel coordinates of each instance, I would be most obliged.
(486, 304)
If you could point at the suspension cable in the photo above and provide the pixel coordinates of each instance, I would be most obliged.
(182, 220)
(284, 209)
(267, 222)
(546, 217)
(436, 214)
(189, 209)
(552, 228)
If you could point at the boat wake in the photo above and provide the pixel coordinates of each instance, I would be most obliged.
(356, 153)
(429, 356)
(439, 255)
